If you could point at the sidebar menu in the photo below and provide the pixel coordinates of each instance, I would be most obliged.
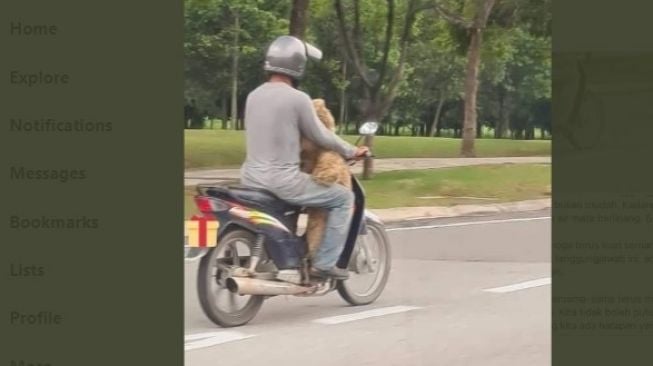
(92, 168)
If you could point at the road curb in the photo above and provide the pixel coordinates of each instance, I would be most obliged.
(413, 213)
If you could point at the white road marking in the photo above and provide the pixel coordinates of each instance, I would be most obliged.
(488, 222)
(520, 286)
(210, 339)
(365, 314)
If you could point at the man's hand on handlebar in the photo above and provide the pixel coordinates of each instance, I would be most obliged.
(362, 152)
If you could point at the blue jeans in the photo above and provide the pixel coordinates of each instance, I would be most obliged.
(338, 200)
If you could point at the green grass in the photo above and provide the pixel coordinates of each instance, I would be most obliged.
(213, 148)
(449, 186)
(225, 148)
(462, 185)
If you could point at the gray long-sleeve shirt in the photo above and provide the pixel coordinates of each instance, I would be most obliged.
(276, 117)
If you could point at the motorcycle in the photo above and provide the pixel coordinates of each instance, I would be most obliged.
(257, 237)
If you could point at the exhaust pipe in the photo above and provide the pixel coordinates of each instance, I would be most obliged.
(254, 286)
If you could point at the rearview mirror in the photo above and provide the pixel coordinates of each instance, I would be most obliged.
(368, 128)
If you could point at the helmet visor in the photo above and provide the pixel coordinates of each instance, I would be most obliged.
(313, 52)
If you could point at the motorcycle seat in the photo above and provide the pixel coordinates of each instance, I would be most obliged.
(257, 197)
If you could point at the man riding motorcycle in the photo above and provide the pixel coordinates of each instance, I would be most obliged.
(277, 115)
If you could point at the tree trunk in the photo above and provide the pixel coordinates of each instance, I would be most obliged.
(343, 96)
(234, 71)
(225, 116)
(484, 7)
(436, 119)
(471, 90)
(299, 18)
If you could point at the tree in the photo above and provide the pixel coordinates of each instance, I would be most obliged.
(473, 19)
(206, 54)
(438, 70)
(379, 83)
(516, 67)
(299, 18)
(223, 43)
(402, 62)
(330, 78)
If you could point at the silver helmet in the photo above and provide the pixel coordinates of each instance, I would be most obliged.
(288, 55)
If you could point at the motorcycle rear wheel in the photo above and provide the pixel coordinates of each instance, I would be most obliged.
(347, 289)
(234, 248)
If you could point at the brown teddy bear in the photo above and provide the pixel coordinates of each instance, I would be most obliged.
(326, 167)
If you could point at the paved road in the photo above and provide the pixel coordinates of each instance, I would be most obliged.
(463, 291)
(194, 177)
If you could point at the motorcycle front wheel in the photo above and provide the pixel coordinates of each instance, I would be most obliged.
(369, 267)
(223, 307)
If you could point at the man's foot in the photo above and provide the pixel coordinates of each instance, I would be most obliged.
(335, 273)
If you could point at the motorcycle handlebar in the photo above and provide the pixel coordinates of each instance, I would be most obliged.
(368, 155)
